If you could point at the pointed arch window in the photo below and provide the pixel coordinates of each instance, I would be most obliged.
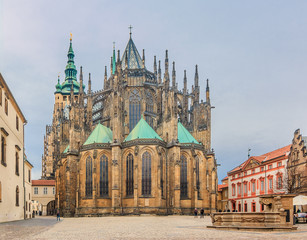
(134, 108)
(149, 107)
(146, 173)
(104, 176)
(89, 179)
(129, 175)
(17, 196)
(161, 179)
(197, 177)
(183, 177)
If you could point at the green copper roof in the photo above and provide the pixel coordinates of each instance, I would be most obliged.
(133, 56)
(66, 149)
(142, 130)
(70, 71)
(101, 134)
(58, 87)
(113, 61)
(184, 136)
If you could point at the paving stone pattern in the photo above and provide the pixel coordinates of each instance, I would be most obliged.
(143, 227)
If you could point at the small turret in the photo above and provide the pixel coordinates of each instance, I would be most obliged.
(185, 89)
(196, 89)
(155, 66)
(111, 65)
(159, 73)
(89, 91)
(174, 76)
(81, 100)
(143, 58)
(113, 59)
(105, 78)
(196, 77)
(207, 92)
(166, 61)
(166, 74)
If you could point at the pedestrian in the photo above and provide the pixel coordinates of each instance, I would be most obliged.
(202, 212)
(58, 215)
(195, 213)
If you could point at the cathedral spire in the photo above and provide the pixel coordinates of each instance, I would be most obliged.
(207, 92)
(155, 66)
(105, 78)
(159, 73)
(196, 76)
(113, 59)
(89, 91)
(174, 76)
(143, 58)
(70, 71)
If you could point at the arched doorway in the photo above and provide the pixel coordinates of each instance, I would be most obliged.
(51, 208)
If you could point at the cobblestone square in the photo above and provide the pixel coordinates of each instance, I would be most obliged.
(131, 227)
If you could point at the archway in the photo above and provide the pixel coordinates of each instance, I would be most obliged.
(51, 208)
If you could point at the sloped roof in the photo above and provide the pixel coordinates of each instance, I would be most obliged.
(284, 151)
(43, 182)
(221, 186)
(142, 130)
(133, 57)
(101, 134)
(184, 136)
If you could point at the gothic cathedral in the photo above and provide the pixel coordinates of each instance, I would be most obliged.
(139, 145)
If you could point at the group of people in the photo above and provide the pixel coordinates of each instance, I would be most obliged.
(202, 213)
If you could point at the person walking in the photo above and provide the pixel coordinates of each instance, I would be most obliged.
(202, 212)
(195, 213)
(58, 215)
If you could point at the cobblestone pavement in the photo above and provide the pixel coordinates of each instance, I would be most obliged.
(128, 227)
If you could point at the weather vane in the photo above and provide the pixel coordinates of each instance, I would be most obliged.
(113, 45)
(70, 36)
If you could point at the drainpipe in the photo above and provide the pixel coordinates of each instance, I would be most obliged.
(265, 183)
(23, 171)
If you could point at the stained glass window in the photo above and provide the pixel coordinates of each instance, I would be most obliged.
(146, 174)
(104, 176)
(129, 175)
(134, 108)
(89, 179)
(197, 177)
(183, 178)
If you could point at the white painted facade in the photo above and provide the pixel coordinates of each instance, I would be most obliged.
(259, 175)
(12, 124)
(43, 192)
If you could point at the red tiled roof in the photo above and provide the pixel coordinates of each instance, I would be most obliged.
(43, 182)
(220, 186)
(265, 157)
(225, 178)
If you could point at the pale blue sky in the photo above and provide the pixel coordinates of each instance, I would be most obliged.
(253, 52)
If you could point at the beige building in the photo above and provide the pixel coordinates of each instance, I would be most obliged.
(28, 188)
(297, 166)
(222, 197)
(12, 123)
(43, 196)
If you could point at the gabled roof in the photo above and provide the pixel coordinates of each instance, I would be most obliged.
(43, 182)
(101, 134)
(142, 130)
(133, 56)
(284, 151)
(184, 136)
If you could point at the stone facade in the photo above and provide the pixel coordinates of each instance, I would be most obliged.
(12, 123)
(130, 93)
(297, 166)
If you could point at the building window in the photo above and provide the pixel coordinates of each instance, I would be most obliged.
(253, 186)
(134, 108)
(253, 171)
(279, 182)
(36, 190)
(29, 176)
(270, 184)
(197, 177)
(149, 107)
(262, 207)
(17, 163)
(245, 207)
(245, 173)
(262, 185)
(161, 178)
(245, 188)
(270, 166)
(3, 150)
(279, 164)
(45, 190)
(146, 174)
(129, 175)
(239, 189)
(239, 207)
(6, 106)
(53, 190)
(183, 177)
(89, 179)
(17, 123)
(104, 176)
(253, 207)
(26, 205)
(17, 196)
(233, 190)
(262, 169)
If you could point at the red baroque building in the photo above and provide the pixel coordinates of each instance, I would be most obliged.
(259, 175)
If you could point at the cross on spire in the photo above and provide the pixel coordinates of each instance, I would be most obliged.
(130, 27)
